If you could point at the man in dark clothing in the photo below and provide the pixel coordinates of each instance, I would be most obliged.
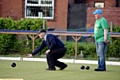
(56, 50)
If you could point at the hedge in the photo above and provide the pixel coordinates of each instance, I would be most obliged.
(9, 43)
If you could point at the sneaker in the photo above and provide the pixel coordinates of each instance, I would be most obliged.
(62, 68)
(51, 69)
(99, 70)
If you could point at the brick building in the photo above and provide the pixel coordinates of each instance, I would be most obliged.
(57, 14)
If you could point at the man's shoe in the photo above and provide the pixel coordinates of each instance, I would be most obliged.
(62, 68)
(51, 69)
(99, 70)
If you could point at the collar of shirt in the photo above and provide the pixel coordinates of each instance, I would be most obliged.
(45, 37)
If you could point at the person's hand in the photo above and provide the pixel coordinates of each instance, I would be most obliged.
(105, 40)
(29, 56)
(47, 51)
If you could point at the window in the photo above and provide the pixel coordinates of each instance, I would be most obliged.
(39, 9)
(99, 4)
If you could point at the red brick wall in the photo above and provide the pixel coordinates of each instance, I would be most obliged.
(60, 14)
(71, 1)
(0, 7)
(111, 14)
(12, 8)
(90, 18)
(15, 8)
(108, 3)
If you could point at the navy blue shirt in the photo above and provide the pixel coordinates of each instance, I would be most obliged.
(51, 41)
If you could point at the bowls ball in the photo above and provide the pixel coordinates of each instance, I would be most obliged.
(13, 64)
(82, 67)
(87, 67)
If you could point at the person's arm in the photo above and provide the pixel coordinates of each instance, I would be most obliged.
(105, 35)
(38, 49)
(104, 25)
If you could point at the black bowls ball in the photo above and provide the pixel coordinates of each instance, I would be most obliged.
(13, 64)
(87, 67)
(82, 67)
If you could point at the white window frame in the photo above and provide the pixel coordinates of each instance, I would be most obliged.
(40, 5)
(99, 4)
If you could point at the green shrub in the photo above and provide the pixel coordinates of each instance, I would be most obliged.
(7, 23)
(70, 49)
(113, 49)
(29, 24)
(7, 41)
(88, 49)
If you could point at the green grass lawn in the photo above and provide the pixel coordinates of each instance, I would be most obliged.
(30, 70)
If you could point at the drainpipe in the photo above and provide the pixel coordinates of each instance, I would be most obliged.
(117, 3)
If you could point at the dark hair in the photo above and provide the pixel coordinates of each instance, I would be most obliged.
(41, 31)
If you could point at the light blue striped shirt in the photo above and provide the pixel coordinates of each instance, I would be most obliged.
(45, 37)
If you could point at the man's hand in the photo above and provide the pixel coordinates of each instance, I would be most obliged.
(105, 40)
(47, 51)
(29, 56)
